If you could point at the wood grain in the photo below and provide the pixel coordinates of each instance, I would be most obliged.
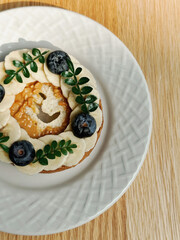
(150, 209)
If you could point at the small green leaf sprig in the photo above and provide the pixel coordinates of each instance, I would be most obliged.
(87, 101)
(53, 150)
(29, 60)
(4, 139)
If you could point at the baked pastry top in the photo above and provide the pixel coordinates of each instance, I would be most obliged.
(50, 111)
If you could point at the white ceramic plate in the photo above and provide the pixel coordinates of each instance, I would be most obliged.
(44, 204)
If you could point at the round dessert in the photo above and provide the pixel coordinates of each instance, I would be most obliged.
(50, 111)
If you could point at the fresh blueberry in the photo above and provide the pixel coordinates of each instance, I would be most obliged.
(21, 153)
(2, 92)
(56, 62)
(83, 125)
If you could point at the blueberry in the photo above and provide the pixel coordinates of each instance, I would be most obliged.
(2, 92)
(56, 62)
(83, 125)
(21, 153)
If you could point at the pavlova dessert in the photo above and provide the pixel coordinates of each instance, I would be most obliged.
(50, 111)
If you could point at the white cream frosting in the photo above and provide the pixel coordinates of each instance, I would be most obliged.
(40, 75)
(4, 118)
(6, 102)
(12, 129)
(49, 106)
(14, 87)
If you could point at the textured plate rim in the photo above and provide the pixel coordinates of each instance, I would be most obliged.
(149, 127)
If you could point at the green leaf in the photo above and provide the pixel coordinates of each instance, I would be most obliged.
(66, 74)
(83, 80)
(54, 144)
(67, 143)
(8, 79)
(1, 134)
(19, 78)
(75, 90)
(43, 161)
(26, 72)
(78, 70)
(10, 72)
(51, 155)
(35, 160)
(47, 148)
(86, 90)
(41, 59)
(27, 57)
(90, 99)
(69, 150)
(39, 153)
(4, 139)
(84, 108)
(57, 153)
(36, 52)
(70, 65)
(17, 63)
(80, 99)
(5, 148)
(75, 79)
(45, 52)
(70, 81)
(73, 146)
(64, 152)
(92, 107)
(33, 67)
(61, 143)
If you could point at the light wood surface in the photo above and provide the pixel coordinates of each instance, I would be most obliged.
(150, 209)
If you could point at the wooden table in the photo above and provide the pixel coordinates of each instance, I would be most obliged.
(150, 209)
